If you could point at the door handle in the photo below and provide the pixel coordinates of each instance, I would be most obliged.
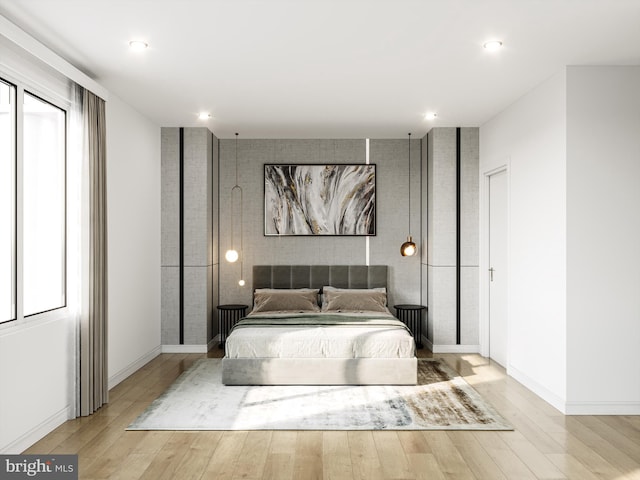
(491, 270)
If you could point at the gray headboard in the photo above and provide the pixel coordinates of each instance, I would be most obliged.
(316, 276)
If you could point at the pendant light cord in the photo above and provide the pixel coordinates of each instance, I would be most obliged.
(233, 238)
(241, 253)
(236, 185)
(409, 177)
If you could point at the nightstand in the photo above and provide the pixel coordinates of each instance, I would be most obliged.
(411, 316)
(228, 316)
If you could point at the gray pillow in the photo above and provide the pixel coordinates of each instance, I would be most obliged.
(285, 300)
(354, 300)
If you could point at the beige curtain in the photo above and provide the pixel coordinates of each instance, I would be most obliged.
(94, 390)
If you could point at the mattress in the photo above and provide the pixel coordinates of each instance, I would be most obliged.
(359, 335)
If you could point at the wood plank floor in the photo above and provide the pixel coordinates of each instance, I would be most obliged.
(544, 445)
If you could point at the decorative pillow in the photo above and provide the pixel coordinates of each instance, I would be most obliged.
(354, 300)
(285, 300)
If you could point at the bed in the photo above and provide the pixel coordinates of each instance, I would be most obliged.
(319, 325)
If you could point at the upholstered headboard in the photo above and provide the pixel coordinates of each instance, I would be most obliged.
(317, 276)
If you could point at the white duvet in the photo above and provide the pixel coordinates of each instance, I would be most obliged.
(321, 341)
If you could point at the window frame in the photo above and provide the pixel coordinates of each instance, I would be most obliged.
(46, 95)
(14, 254)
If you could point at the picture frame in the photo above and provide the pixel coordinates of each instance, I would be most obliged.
(320, 199)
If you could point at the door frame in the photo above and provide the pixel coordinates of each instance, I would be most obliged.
(483, 280)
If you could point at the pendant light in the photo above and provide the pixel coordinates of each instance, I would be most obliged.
(409, 248)
(232, 255)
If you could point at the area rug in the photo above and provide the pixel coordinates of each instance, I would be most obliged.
(442, 400)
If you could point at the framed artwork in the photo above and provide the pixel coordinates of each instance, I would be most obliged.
(320, 199)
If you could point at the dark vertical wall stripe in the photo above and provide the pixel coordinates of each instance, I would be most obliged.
(181, 239)
(458, 175)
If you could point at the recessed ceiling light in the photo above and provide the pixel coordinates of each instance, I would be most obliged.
(138, 45)
(204, 116)
(430, 116)
(492, 45)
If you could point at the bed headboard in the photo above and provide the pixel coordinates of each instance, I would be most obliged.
(317, 276)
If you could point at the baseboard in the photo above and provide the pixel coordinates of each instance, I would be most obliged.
(185, 348)
(541, 391)
(450, 348)
(38, 432)
(602, 408)
(133, 367)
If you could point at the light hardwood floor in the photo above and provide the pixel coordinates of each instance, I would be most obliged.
(544, 445)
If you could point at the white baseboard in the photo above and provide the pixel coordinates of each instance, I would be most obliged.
(541, 391)
(185, 348)
(450, 348)
(133, 367)
(213, 343)
(38, 432)
(602, 408)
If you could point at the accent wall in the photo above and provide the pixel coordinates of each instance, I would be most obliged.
(392, 217)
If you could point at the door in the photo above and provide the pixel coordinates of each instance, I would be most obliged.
(498, 268)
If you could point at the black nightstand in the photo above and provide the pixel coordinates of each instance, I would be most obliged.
(228, 316)
(411, 315)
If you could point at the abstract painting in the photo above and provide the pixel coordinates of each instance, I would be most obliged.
(320, 199)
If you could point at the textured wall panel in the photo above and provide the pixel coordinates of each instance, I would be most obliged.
(391, 156)
(196, 312)
(427, 331)
(469, 314)
(442, 197)
(441, 231)
(470, 196)
(197, 196)
(170, 197)
(170, 306)
(273, 250)
(442, 305)
(215, 301)
(200, 235)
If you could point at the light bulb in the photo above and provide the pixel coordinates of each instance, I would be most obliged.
(492, 45)
(138, 45)
(241, 283)
(231, 255)
(408, 248)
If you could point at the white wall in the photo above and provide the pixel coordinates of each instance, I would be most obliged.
(529, 137)
(603, 239)
(37, 378)
(37, 354)
(133, 203)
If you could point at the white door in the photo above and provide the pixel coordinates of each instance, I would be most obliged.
(498, 267)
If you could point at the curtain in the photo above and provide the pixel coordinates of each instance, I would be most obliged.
(93, 381)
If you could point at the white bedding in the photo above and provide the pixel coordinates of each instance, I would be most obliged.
(321, 341)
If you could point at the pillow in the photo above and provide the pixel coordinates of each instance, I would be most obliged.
(285, 300)
(354, 300)
(335, 289)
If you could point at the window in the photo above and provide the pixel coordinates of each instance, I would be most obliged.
(44, 218)
(32, 204)
(7, 202)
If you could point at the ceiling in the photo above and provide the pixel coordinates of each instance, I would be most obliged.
(328, 68)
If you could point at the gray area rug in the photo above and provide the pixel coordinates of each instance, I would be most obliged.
(442, 400)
